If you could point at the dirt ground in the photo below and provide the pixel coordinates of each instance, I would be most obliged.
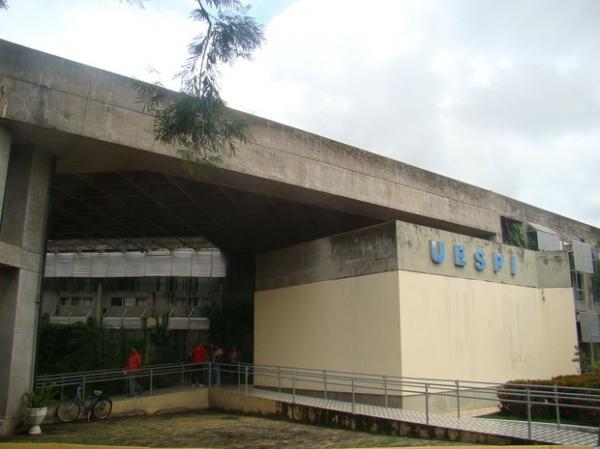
(212, 430)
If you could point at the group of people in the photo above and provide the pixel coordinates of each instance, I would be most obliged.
(201, 354)
(211, 353)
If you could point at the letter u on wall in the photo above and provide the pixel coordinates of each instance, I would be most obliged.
(437, 250)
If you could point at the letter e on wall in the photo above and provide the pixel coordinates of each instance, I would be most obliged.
(459, 255)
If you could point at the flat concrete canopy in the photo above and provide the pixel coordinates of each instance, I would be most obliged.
(113, 180)
(138, 210)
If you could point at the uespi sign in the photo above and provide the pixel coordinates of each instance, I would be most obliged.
(438, 255)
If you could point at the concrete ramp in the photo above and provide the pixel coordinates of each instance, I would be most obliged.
(392, 421)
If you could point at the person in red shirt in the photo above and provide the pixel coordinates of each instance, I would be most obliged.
(134, 362)
(198, 356)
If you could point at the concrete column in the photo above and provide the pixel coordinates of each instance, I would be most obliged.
(22, 235)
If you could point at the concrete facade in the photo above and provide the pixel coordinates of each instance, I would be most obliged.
(94, 118)
(413, 317)
(22, 237)
(342, 235)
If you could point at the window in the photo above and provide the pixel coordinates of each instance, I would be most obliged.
(596, 280)
(87, 301)
(512, 232)
(63, 284)
(163, 284)
(116, 302)
(125, 284)
(81, 284)
(146, 284)
(76, 301)
(140, 302)
(596, 290)
(129, 302)
(532, 240)
(193, 302)
(181, 302)
(49, 284)
(63, 301)
(576, 280)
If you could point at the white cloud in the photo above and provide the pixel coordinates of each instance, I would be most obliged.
(504, 95)
(111, 35)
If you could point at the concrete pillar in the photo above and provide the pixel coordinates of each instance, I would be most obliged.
(22, 243)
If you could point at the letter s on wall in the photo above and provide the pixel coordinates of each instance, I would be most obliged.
(480, 262)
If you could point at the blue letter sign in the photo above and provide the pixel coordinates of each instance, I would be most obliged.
(459, 255)
(437, 250)
(498, 261)
(480, 262)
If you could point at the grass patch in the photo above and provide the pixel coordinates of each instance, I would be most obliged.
(215, 430)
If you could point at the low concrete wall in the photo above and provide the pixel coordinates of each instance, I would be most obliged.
(229, 401)
(179, 401)
(168, 402)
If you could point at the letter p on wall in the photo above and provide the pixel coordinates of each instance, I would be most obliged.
(498, 261)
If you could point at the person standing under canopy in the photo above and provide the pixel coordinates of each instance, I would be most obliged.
(134, 363)
(198, 357)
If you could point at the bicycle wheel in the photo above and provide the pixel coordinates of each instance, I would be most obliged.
(68, 410)
(101, 408)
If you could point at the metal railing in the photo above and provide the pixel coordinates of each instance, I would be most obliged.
(355, 388)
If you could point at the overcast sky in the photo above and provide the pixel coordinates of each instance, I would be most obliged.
(501, 94)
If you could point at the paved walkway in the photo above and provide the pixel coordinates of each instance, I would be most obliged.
(541, 433)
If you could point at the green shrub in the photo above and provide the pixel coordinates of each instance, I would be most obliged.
(40, 397)
(545, 408)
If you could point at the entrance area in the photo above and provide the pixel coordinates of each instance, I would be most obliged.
(161, 263)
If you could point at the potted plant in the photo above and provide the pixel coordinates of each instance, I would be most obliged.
(36, 402)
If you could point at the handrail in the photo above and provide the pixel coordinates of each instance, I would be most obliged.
(325, 382)
(391, 379)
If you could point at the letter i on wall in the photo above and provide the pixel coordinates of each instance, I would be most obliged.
(513, 264)
(437, 250)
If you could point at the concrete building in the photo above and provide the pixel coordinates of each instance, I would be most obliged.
(135, 290)
(354, 261)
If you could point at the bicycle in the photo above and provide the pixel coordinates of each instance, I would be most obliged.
(99, 407)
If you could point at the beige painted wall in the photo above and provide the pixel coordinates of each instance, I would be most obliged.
(476, 330)
(417, 324)
(350, 324)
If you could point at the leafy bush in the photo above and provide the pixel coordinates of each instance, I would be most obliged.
(83, 346)
(545, 407)
(515, 234)
(40, 397)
